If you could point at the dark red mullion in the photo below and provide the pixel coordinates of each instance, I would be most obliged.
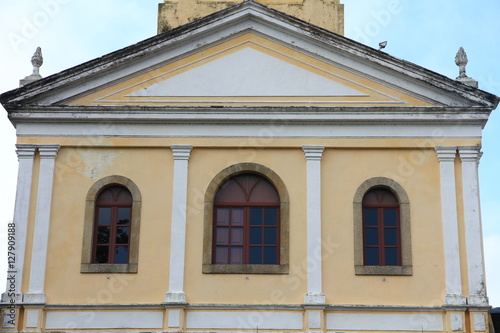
(96, 228)
(246, 234)
(398, 234)
(381, 236)
(112, 235)
(247, 204)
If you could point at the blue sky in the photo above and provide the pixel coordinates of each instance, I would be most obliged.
(425, 32)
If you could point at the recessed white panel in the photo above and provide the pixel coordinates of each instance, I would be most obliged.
(104, 320)
(247, 72)
(244, 320)
(384, 322)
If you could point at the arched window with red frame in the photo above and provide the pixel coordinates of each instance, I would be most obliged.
(246, 224)
(381, 228)
(112, 224)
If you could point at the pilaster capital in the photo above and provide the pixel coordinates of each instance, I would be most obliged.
(470, 153)
(313, 153)
(25, 151)
(181, 152)
(446, 153)
(48, 151)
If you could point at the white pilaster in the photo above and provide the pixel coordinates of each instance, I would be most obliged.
(313, 156)
(17, 234)
(472, 218)
(36, 292)
(446, 156)
(176, 293)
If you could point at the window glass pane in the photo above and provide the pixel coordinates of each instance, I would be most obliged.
(270, 236)
(255, 216)
(236, 255)
(255, 255)
(371, 257)
(101, 255)
(264, 191)
(222, 236)
(102, 235)
(122, 235)
(371, 236)
(391, 236)
(391, 256)
(124, 195)
(223, 216)
(106, 196)
(371, 219)
(390, 219)
(236, 236)
(124, 215)
(121, 255)
(237, 216)
(230, 191)
(255, 236)
(270, 255)
(221, 255)
(270, 216)
(104, 216)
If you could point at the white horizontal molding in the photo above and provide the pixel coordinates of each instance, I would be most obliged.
(262, 130)
(244, 320)
(104, 320)
(384, 322)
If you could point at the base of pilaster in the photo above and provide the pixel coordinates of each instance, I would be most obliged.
(314, 298)
(34, 298)
(454, 300)
(477, 300)
(175, 298)
(10, 298)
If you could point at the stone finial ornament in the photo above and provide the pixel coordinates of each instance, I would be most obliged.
(461, 61)
(36, 61)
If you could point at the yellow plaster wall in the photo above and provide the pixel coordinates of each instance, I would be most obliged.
(343, 172)
(325, 14)
(149, 164)
(65, 283)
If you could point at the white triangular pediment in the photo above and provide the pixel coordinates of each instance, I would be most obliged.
(247, 72)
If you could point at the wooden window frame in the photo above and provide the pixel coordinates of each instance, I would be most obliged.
(404, 224)
(260, 170)
(87, 265)
(381, 231)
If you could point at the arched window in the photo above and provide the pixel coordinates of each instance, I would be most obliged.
(382, 232)
(246, 222)
(111, 226)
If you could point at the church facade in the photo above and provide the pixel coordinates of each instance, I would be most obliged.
(247, 171)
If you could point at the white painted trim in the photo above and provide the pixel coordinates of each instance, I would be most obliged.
(269, 129)
(479, 322)
(313, 155)
(457, 321)
(473, 231)
(315, 319)
(104, 320)
(446, 156)
(385, 322)
(244, 320)
(174, 318)
(32, 317)
(181, 154)
(35, 293)
(25, 155)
